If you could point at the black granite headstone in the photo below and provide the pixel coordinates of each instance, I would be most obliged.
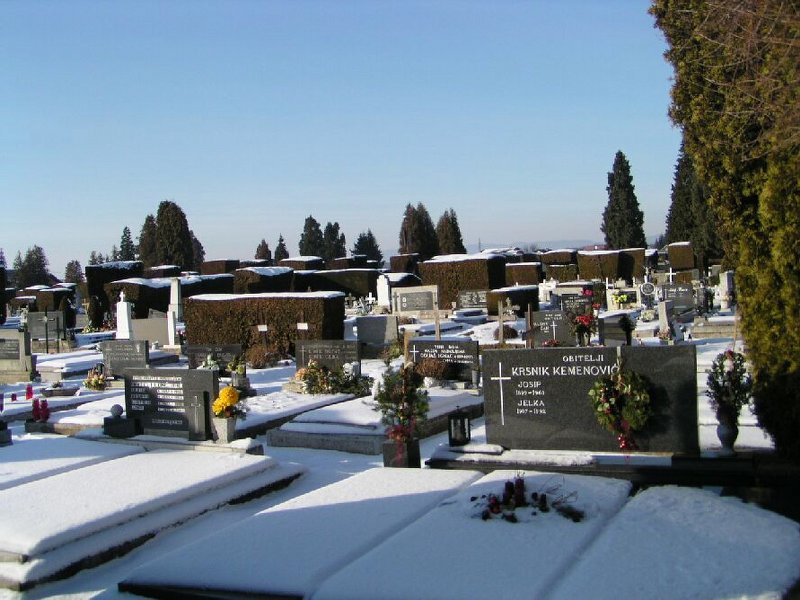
(611, 330)
(552, 325)
(412, 301)
(471, 299)
(223, 353)
(462, 354)
(119, 355)
(171, 402)
(45, 325)
(327, 353)
(9, 349)
(538, 399)
(573, 303)
(681, 294)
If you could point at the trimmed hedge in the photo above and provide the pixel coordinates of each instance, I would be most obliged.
(3, 294)
(680, 256)
(17, 303)
(562, 272)
(307, 263)
(217, 267)
(97, 276)
(524, 273)
(162, 271)
(49, 299)
(356, 261)
(224, 319)
(559, 257)
(358, 282)
(254, 262)
(600, 265)
(145, 297)
(521, 296)
(483, 273)
(631, 264)
(268, 279)
(404, 263)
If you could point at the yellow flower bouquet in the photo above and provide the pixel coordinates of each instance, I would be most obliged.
(227, 405)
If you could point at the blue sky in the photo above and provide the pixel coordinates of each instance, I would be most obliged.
(253, 115)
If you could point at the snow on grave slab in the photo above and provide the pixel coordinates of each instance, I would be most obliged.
(288, 549)
(659, 546)
(108, 494)
(452, 552)
(33, 457)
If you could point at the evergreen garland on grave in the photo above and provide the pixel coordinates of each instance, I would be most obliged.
(622, 404)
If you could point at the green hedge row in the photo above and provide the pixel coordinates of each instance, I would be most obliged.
(145, 297)
(559, 257)
(522, 296)
(218, 267)
(680, 256)
(524, 273)
(221, 319)
(97, 276)
(468, 274)
(561, 272)
(246, 281)
(404, 263)
(49, 299)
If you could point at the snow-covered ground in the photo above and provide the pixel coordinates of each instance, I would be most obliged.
(381, 533)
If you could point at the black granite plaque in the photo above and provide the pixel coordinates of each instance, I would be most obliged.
(9, 349)
(611, 330)
(119, 355)
(573, 303)
(538, 399)
(471, 299)
(327, 353)
(462, 354)
(551, 326)
(171, 402)
(411, 301)
(44, 325)
(223, 353)
(681, 294)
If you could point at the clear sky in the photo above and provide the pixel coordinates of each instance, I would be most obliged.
(252, 115)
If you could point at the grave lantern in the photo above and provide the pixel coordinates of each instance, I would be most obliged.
(459, 429)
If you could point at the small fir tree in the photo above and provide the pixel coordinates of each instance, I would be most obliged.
(263, 252)
(623, 220)
(367, 245)
(127, 249)
(448, 234)
(280, 250)
(31, 270)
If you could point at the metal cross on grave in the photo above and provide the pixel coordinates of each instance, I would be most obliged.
(413, 352)
(499, 378)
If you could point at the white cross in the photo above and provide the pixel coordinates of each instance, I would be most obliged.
(501, 379)
(554, 326)
(671, 274)
(414, 353)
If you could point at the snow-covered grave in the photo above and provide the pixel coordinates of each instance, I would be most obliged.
(60, 521)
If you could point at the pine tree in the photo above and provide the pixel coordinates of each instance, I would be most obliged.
(263, 252)
(173, 238)
(311, 242)
(448, 234)
(127, 249)
(198, 252)
(417, 233)
(146, 248)
(367, 245)
(73, 273)
(31, 270)
(280, 250)
(334, 244)
(623, 220)
(114, 255)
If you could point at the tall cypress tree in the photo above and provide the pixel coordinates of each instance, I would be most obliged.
(311, 242)
(367, 245)
(146, 248)
(417, 233)
(333, 242)
(623, 220)
(173, 238)
(127, 249)
(262, 251)
(198, 252)
(280, 250)
(448, 234)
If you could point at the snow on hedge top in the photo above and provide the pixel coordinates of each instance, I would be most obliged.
(461, 257)
(119, 264)
(512, 288)
(268, 271)
(224, 297)
(160, 282)
(303, 258)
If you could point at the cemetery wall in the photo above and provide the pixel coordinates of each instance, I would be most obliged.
(228, 319)
(468, 274)
(275, 279)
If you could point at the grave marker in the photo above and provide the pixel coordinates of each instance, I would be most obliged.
(461, 353)
(17, 363)
(681, 295)
(472, 299)
(577, 304)
(550, 326)
(327, 353)
(415, 300)
(171, 402)
(119, 355)
(223, 353)
(538, 399)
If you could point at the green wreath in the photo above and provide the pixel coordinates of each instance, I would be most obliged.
(622, 404)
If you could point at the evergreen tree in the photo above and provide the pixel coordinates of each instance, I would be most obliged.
(367, 245)
(114, 253)
(3, 262)
(311, 241)
(623, 220)
(198, 252)
(262, 251)
(417, 233)
(735, 95)
(334, 244)
(73, 273)
(448, 234)
(31, 270)
(173, 238)
(146, 248)
(280, 250)
(127, 249)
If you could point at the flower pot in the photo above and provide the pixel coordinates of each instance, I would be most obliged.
(224, 429)
(727, 432)
(401, 454)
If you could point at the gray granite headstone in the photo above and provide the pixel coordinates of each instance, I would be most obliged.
(611, 330)
(375, 332)
(327, 353)
(681, 295)
(577, 304)
(45, 325)
(549, 325)
(460, 353)
(538, 399)
(223, 353)
(17, 363)
(665, 311)
(171, 402)
(119, 355)
(471, 299)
